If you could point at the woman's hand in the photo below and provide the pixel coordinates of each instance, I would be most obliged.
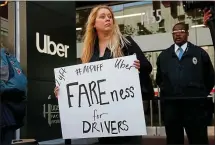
(137, 64)
(56, 90)
(207, 16)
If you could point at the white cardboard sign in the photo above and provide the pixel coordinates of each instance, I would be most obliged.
(100, 99)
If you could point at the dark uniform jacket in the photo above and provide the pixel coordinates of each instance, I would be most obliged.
(190, 77)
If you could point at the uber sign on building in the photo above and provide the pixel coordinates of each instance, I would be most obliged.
(51, 43)
(50, 47)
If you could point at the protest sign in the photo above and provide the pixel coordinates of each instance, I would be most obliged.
(100, 99)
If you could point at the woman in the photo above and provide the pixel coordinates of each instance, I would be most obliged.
(103, 40)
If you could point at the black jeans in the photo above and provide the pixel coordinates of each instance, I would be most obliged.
(190, 115)
(124, 140)
(7, 135)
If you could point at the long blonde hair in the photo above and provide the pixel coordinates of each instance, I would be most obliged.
(116, 42)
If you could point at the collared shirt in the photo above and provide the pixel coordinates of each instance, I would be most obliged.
(184, 47)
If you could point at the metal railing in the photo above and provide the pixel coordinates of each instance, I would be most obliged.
(154, 125)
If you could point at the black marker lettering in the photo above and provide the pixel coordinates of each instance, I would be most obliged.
(131, 90)
(107, 126)
(89, 127)
(78, 71)
(121, 94)
(94, 126)
(95, 116)
(101, 126)
(124, 122)
(62, 72)
(99, 67)
(61, 77)
(86, 69)
(68, 92)
(120, 64)
(112, 127)
(127, 91)
(92, 87)
(82, 93)
(103, 114)
(101, 93)
(116, 95)
(119, 126)
(58, 82)
(117, 63)
(92, 67)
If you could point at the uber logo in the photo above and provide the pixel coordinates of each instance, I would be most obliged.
(50, 47)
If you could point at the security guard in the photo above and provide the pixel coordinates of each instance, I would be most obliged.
(185, 76)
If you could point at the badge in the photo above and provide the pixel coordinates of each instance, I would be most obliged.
(195, 60)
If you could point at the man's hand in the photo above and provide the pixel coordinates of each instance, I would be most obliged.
(207, 16)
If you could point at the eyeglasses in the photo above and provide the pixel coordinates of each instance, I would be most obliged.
(178, 31)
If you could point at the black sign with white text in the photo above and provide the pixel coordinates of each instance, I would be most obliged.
(51, 43)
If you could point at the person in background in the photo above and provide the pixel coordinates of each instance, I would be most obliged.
(103, 40)
(185, 76)
(13, 85)
(207, 16)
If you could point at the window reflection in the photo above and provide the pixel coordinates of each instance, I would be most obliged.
(145, 18)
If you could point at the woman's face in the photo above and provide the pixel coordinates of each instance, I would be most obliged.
(104, 20)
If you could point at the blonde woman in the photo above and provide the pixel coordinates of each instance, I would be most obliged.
(103, 40)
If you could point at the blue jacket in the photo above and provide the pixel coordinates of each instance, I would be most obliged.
(13, 85)
(11, 73)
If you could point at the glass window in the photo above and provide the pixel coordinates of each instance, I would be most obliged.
(146, 17)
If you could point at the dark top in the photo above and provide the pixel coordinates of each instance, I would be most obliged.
(145, 66)
(189, 78)
(13, 108)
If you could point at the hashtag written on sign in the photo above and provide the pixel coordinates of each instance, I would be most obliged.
(89, 68)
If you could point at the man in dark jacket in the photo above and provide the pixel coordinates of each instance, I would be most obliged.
(185, 76)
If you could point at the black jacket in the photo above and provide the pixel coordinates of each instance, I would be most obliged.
(13, 108)
(190, 77)
(145, 66)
